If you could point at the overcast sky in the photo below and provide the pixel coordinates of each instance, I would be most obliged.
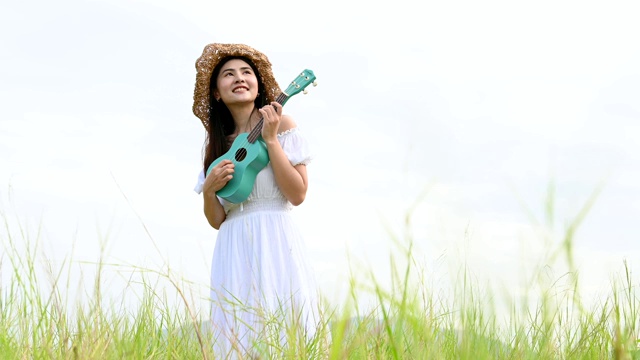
(478, 105)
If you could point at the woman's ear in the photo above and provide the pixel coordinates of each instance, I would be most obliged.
(216, 95)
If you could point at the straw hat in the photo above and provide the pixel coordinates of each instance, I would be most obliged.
(211, 56)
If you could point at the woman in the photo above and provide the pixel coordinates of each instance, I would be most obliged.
(260, 275)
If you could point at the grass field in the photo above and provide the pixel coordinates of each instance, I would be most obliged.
(44, 314)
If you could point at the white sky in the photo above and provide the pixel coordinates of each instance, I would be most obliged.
(482, 103)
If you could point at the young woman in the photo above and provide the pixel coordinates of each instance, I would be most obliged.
(259, 274)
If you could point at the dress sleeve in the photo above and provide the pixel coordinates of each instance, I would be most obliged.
(296, 147)
(200, 183)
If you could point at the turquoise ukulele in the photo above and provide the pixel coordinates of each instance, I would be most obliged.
(249, 152)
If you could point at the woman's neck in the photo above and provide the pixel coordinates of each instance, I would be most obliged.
(244, 117)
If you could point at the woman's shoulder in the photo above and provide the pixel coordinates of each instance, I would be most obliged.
(286, 124)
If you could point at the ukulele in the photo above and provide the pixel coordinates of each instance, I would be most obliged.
(248, 151)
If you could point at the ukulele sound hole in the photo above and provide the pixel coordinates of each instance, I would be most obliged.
(241, 154)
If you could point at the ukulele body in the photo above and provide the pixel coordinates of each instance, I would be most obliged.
(248, 159)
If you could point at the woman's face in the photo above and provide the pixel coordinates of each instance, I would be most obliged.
(236, 83)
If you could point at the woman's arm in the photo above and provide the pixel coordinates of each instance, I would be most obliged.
(216, 180)
(214, 211)
(292, 180)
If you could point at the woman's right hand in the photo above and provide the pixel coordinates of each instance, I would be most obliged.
(218, 177)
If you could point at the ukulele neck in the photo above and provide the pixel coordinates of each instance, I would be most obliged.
(257, 130)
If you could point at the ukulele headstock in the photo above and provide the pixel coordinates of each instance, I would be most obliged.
(300, 83)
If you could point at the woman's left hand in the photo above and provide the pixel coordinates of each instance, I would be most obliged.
(271, 115)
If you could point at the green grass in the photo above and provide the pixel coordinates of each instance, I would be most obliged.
(158, 315)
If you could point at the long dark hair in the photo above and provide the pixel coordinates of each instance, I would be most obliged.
(221, 123)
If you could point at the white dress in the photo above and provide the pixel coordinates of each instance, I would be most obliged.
(260, 274)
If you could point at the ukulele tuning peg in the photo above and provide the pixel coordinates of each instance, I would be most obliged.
(315, 83)
(305, 91)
